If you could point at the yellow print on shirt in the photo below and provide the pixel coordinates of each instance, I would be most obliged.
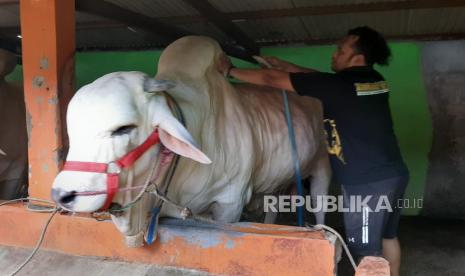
(371, 88)
(333, 142)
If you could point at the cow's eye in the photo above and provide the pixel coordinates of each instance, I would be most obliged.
(123, 130)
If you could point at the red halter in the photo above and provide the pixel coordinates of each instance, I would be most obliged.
(113, 169)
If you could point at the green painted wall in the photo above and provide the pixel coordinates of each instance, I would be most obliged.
(16, 75)
(408, 98)
(92, 65)
(412, 119)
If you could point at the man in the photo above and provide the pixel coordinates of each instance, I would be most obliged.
(365, 156)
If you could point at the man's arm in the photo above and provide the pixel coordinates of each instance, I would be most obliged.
(268, 77)
(287, 66)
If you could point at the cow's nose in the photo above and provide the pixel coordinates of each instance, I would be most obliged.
(63, 198)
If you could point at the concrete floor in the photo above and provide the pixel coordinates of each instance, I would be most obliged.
(432, 247)
(47, 263)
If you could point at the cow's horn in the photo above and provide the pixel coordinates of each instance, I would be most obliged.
(153, 85)
(2, 152)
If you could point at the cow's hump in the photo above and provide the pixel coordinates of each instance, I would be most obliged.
(193, 56)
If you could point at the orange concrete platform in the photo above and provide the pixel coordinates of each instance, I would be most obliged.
(247, 249)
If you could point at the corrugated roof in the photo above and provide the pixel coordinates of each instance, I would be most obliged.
(98, 32)
(316, 3)
(327, 27)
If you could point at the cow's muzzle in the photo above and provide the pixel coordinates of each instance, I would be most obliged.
(63, 198)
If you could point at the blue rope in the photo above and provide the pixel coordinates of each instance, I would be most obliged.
(153, 223)
(290, 128)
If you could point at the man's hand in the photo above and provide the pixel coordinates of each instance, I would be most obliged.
(224, 64)
(269, 77)
(276, 63)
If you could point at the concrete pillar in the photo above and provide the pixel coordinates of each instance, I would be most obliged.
(48, 31)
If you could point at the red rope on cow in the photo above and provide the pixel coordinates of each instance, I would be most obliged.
(103, 192)
(132, 156)
(85, 167)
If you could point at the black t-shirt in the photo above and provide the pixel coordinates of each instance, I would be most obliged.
(361, 139)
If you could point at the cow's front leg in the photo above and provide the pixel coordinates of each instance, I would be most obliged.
(227, 212)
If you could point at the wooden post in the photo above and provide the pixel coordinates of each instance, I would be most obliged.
(48, 31)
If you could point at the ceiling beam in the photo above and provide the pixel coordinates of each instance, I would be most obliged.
(149, 24)
(91, 25)
(429, 37)
(234, 51)
(221, 20)
(422, 37)
(117, 13)
(231, 50)
(389, 38)
(8, 2)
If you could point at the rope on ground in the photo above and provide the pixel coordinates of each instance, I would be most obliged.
(27, 199)
(48, 209)
(344, 245)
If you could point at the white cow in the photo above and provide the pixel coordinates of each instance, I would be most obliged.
(13, 136)
(234, 143)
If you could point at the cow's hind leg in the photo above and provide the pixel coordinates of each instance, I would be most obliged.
(270, 217)
(321, 177)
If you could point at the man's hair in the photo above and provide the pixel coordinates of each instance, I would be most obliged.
(372, 45)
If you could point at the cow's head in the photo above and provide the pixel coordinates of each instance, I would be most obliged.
(107, 119)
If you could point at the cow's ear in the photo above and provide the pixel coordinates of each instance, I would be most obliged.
(176, 138)
(152, 85)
